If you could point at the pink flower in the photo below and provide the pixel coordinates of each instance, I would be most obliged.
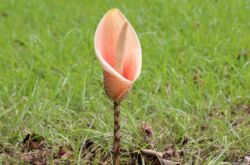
(118, 49)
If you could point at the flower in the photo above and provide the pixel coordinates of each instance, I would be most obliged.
(118, 49)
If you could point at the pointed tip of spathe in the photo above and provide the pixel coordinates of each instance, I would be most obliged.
(115, 11)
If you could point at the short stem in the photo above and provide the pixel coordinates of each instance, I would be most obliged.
(117, 134)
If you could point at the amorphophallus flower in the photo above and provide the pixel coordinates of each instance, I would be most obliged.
(118, 49)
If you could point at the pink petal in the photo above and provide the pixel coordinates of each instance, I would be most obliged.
(119, 52)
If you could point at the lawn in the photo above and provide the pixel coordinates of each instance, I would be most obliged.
(194, 88)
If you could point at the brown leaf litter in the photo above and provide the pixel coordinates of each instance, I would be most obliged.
(244, 161)
(148, 131)
(35, 150)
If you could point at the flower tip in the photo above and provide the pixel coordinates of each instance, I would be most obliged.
(114, 10)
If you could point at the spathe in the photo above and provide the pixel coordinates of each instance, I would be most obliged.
(119, 51)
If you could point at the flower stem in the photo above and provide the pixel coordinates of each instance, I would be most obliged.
(117, 134)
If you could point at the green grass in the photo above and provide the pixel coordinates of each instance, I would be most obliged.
(51, 81)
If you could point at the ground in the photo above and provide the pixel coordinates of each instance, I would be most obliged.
(194, 89)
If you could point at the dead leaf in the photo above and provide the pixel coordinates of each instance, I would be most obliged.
(170, 152)
(64, 152)
(157, 158)
(67, 155)
(151, 154)
(147, 130)
(33, 141)
(243, 161)
(246, 159)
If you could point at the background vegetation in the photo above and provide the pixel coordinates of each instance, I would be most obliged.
(195, 81)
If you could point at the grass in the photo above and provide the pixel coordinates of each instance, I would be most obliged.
(194, 82)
